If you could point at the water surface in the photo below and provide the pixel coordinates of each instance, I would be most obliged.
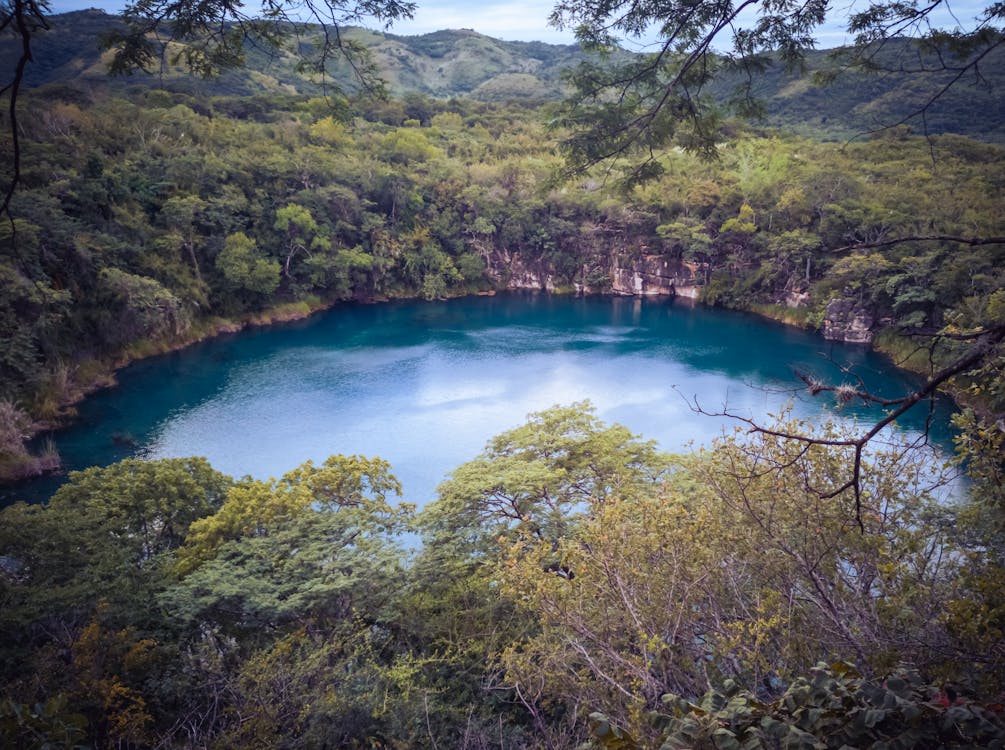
(426, 384)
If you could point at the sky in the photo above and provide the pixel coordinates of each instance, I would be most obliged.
(523, 20)
(527, 20)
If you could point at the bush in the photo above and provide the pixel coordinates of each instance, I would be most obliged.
(834, 707)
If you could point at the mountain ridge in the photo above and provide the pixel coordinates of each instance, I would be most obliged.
(465, 63)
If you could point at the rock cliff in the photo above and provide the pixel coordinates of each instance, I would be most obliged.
(638, 275)
(654, 275)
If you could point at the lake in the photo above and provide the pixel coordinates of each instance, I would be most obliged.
(424, 385)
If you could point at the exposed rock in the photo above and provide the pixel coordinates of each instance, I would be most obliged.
(653, 275)
(629, 275)
(516, 273)
(847, 320)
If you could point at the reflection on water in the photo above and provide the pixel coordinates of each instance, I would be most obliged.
(425, 385)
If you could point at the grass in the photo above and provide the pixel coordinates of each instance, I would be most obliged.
(903, 351)
(803, 317)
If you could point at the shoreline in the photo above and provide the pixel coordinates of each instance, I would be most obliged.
(101, 374)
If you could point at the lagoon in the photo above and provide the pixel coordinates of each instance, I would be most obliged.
(424, 385)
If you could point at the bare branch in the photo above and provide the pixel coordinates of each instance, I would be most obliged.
(983, 345)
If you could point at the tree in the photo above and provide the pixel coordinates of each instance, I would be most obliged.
(156, 598)
(181, 213)
(531, 481)
(305, 571)
(141, 307)
(78, 581)
(104, 535)
(353, 484)
(244, 267)
(302, 233)
(732, 568)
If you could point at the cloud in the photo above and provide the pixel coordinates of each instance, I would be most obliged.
(65, 6)
(518, 20)
(527, 20)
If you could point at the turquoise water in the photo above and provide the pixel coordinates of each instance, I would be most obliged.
(426, 384)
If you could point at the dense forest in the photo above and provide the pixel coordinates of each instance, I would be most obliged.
(574, 584)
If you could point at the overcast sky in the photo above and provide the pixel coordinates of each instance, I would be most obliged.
(527, 20)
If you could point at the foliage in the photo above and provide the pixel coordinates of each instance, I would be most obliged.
(631, 110)
(246, 269)
(570, 577)
(832, 707)
(102, 538)
(353, 485)
(530, 483)
(142, 306)
(90, 578)
(77, 581)
(15, 431)
(737, 568)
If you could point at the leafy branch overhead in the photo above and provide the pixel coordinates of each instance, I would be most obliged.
(981, 353)
(630, 110)
(24, 19)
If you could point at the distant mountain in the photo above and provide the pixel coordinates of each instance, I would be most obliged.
(442, 64)
(465, 63)
(857, 102)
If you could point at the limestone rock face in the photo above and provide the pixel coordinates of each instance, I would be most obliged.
(522, 275)
(653, 275)
(626, 274)
(796, 299)
(847, 320)
(510, 270)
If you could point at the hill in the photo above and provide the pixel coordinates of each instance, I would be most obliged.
(443, 64)
(857, 102)
(464, 63)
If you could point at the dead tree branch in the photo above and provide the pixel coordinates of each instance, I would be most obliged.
(982, 347)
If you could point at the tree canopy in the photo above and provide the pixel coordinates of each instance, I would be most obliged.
(574, 586)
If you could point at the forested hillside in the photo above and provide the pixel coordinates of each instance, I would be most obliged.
(815, 103)
(574, 586)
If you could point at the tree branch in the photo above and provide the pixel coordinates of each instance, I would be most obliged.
(983, 346)
(27, 18)
(972, 241)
